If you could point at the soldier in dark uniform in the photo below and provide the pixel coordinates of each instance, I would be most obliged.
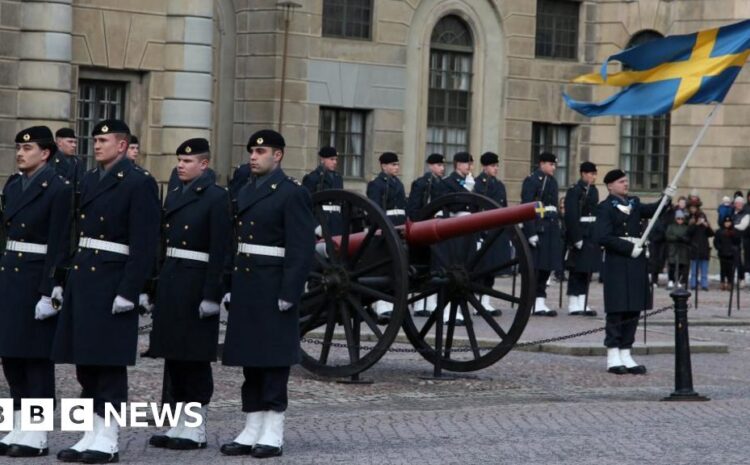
(322, 178)
(276, 240)
(176, 183)
(240, 177)
(489, 186)
(134, 148)
(543, 234)
(424, 190)
(64, 160)
(118, 223)
(387, 191)
(461, 179)
(186, 313)
(626, 286)
(36, 217)
(584, 252)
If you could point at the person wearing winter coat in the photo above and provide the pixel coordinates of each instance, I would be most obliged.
(678, 250)
(727, 243)
(699, 231)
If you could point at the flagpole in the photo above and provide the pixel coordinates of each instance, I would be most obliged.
(673, 184)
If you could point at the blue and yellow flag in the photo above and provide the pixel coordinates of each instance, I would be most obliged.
(663, 74)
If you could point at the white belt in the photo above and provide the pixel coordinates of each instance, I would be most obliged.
(187, 254)
(395, 212)
(332, 208)
(107, 246)
(28, 247)
(550, 208)
(256, 249)
(630, 239)
(588, 219)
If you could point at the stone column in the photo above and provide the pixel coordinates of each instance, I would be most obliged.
(44, 69)
(186, 109)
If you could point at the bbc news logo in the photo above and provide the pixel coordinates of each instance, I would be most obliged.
(78, 414)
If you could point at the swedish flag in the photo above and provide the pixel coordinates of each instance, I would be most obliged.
(666, 73)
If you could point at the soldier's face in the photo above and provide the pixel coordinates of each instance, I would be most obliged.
(491, 170)
(108, 147)
(133, 151)
(30, 157)
(330, 163)
(391, 169)
(264, 159)
(190, 167)
(67, 145)
(463, 168)
(619, 187)
(438, 169)
(548, 167)
(589, 178)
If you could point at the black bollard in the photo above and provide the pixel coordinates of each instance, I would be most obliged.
(683, 371)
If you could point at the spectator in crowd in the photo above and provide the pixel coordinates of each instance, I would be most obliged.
(678, 253)
(727, 243)
(725, 209)
(699, 230)
(740, 220)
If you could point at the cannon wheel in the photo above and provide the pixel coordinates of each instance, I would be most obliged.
(342, 288)
(456, 277)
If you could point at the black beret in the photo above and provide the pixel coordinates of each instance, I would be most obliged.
(546, 156)
(489, 158)
(134, 140)
(463, 157)
(327, 152)
(67, 133)
(34, 134)
(266, 138)
(195, 146)
(435, 158)
(388, 157)
(588, 167)
(110, 126)
(614, 175)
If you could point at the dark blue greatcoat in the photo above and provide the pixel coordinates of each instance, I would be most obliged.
(277, 214)
(174, 178)
(69, 167)
(548, 254)
(240, 177)
(122, 207)
(424, 190)
(626, 286)
(321, 179)
(41, 215)
(494, 189)
(197, 219)
(388, 193)
(581, 200)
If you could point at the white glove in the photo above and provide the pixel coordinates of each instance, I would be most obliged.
(208, 308)
(145, 302)
(469, 182)
(57, 294)
(637, 251)
(225, 300)
(44, 308)
(479, 244)
(534, 240)
(670, 192)
(578, 245)
(319, 231)
(122, 305)
(284, 305)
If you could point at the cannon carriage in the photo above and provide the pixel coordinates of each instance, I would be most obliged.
(361, 258)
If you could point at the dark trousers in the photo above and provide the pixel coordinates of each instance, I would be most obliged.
(265, 389)
(29, 378)
(541, 282)
(619, 335)
(680, 275)
(727, 269)
(190, 381)
(577, 282)
(104, 384)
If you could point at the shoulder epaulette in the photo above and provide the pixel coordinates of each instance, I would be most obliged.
(294, 180)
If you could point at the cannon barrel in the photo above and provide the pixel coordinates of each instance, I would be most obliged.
(434, 230)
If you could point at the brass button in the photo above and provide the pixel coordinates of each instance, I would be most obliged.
(20, 254)
(239, 238)
(167, 241)
(16, 270)
(96, 252)
(93, 268)
(75, 267)
(235, 268)
(23, 225)
(247, 270)
(2, 268)
(184, 243)
(252, 223)
(166, 225)
(79, 249)
(240, 223)
(101, 218)
(83, 216)
(101, 236)
(187, 227)
(250, 236)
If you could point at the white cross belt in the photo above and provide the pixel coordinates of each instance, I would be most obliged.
(332, 208)
(588, 219)
(174, 252)
(395, 212)
(28, 247)
(107, 246)
(256, 249)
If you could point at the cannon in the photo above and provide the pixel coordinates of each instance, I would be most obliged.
(361, 258)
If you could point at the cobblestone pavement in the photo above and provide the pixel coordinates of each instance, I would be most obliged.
(529, 408)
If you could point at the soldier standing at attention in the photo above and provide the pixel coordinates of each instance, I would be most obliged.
(584, 253)
(387, 191)
(322, 178)
(275, 245)
(134, 149)
(543, 234)
(36, 218)
(118, 223)
(489, 186)
(64, 160)
(186, 322)
(626, 286)
(461, 179)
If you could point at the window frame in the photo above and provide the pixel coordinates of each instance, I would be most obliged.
(334, 136)
(345, 20)
(556, 16)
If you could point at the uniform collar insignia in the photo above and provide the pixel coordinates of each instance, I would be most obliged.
(44, 184)
(199, 188)
(273, 186)
(120, 175)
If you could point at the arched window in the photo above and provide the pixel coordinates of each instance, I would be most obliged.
(449, 101)
(644, 141)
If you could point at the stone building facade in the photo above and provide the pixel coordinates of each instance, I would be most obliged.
(410, 76)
